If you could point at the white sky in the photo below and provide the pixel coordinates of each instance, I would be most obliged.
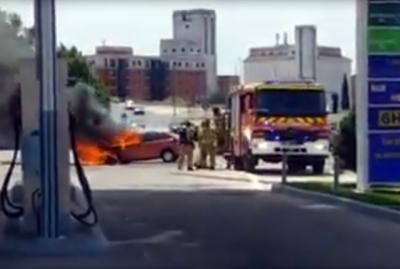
(241, 24)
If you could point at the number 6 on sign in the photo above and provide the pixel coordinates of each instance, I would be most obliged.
(389, 118)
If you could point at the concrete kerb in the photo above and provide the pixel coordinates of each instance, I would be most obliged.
(213, 176)
(350, 204)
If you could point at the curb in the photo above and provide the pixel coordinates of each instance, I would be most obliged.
(226, 178)
(350, 204)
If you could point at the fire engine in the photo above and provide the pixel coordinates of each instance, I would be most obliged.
(273, 118)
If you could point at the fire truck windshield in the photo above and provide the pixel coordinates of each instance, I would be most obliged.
(291, 102)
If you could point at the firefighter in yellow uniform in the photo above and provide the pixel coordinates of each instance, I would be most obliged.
(207, 145)
(187, 137)
(220, 128)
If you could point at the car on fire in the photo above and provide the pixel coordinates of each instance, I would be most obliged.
(153, 145)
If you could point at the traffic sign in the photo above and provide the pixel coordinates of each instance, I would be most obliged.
(383, 76)
(384, 118)
(384, 40)
(384, 158)
(384, 66)
(384, 13)
(384, 92)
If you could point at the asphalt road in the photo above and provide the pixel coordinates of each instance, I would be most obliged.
(231, 229)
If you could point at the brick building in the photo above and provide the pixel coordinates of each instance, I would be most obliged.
(148, 77)
(227, 83)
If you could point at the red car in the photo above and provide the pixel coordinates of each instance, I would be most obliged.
(154, 145)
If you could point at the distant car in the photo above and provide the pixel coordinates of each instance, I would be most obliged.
(129, 105)
(137, 125)
(139, 111)
(154, 145)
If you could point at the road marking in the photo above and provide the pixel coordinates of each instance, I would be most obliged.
(319, 207)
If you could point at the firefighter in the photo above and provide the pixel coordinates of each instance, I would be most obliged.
(187, 136)
(207, 145)
(220, 128)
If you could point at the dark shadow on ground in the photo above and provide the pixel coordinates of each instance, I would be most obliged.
(278, 172)
(230, 229)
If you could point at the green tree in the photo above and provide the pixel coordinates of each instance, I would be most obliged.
(79, 71)
(345, 102)
(15, 21)
(347, 141)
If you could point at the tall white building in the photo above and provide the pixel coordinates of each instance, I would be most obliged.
(279, 62)
(194, 38)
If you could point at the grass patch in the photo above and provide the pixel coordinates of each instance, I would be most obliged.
(382, 196)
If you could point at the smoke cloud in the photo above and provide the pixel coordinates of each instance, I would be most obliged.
(92, 119)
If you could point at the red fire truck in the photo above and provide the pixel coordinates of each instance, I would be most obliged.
(269, 118)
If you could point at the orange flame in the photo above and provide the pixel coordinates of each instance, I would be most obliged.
(126, 139)
(92, 154)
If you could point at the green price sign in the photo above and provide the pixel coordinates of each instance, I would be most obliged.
(385, 40)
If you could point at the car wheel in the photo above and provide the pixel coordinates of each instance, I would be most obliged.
(318, 167)
(168, 156)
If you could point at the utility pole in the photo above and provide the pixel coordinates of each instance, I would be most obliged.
(174, 102)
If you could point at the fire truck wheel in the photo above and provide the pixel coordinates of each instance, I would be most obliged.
(294, 167)
(238, 163)
(249, 163)
(318, 167)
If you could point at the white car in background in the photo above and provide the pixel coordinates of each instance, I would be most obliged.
(129, 105)
(139, 111)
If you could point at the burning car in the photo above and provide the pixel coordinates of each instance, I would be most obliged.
(153, 145)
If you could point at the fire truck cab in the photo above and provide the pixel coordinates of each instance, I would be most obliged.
(271, 117)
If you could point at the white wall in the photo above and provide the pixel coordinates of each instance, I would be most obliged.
(198, 26)
(258, 71)
(330, 71)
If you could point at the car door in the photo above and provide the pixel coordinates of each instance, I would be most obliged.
(149, 148)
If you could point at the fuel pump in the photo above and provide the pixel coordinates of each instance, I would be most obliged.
(41, 210)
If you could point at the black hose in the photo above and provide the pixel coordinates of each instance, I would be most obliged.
(5, 201)
(36, 195)
(82, 217)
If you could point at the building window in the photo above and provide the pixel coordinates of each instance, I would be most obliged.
(179, 64)
(173, 50)
(174, 63)
(187, 64)
(113, 63)
(133, 63)
(191, 50)
(139, 63)
(183, 49)
(202, 64)
(197, 64)
(187, 26)
(147, 64)
(198, 50)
